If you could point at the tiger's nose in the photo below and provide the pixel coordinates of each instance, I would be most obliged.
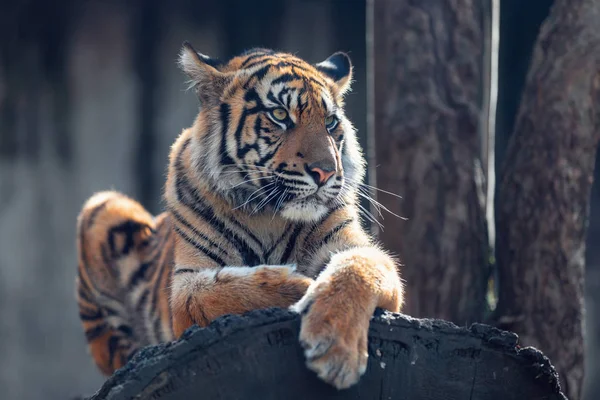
(320, 173)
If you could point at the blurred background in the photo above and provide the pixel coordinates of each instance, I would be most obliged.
(91, 99)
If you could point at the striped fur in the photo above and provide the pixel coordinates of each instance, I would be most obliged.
(125, 269)
(261, 211)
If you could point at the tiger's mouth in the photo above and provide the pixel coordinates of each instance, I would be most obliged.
(293, 198)
(310, 208)
(316, 195)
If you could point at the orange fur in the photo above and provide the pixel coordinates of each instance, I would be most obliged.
(123, 253)
(261, 212)
(234, 294)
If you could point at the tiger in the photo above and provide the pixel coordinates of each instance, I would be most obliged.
(262, 210)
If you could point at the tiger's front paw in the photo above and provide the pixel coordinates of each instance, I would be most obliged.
(283, 283)
(334, 336)
(295, 287)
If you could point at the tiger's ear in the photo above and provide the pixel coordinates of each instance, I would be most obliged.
(338, 67)
(204, 76)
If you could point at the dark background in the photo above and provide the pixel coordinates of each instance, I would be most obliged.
(91, 99)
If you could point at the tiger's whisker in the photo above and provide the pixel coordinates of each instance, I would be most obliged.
(373, 187)
(378, 205)
(279, 203)
(250, 180)
(265, 201)
(253, 195)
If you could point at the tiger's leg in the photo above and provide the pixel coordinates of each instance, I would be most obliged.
(200, 296)
(125, 257)
(337, 308)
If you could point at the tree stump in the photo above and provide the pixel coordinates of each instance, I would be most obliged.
(257, 356)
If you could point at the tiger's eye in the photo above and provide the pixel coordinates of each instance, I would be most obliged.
(279, 114)
(330, 121)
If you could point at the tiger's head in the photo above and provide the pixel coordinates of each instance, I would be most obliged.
(271, 134)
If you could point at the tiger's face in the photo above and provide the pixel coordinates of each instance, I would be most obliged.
(272, 134)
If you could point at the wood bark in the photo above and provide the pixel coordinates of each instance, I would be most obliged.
(544, 189)
(428, 62)
(520, 23)
(258, 356)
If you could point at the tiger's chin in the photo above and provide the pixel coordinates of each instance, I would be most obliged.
(305, 210)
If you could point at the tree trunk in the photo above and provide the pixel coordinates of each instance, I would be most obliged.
(543, 197)
(520, 23)
(428, 61)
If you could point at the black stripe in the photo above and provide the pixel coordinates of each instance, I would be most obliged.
(312, 230)
(184, 271)
(225, 115)
(188, 306)
(84, 291)
(291, 244)
(196, 232)
(284, 78)
(256, 63)
(113, 345)
(282, 93)
(129, 229)
(335, 230)
(100, 292)
(301, 106)
(242, 150)
(126, 330)
(294, 181)
(316, 82)
(292, 173)
(107, 262)
(141, 273)
(142, 300)
(262, 162)
(95, 332)
(258, 127)
(288, 121)
(275, 245)
(155, 244)
(290, 63)
(199, 247)
(256, 54)
(318, 224)
(109, 311)
(269, 155)
(87, 308)
(156, 311)
(207, 214)
(94, 213)
(157, 326)
(91, 317)
(258, 74)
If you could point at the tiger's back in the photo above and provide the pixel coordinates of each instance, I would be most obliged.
(125, 259)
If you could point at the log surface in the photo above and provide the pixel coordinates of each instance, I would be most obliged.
(257, 356)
